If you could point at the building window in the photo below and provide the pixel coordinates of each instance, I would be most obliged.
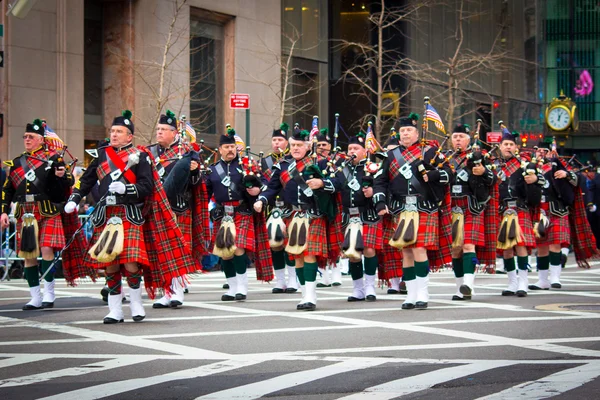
(93, 61)
(206, 75)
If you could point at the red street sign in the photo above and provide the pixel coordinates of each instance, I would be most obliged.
(238, 100)
(494, 137)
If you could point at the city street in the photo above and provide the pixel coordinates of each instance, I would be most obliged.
(493, 347)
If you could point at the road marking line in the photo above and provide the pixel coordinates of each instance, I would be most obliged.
(262, 388)
(416, 383)
(75, 371)
(116, 388)
(551, 385)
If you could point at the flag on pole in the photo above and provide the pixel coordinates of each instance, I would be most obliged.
(190, 132)
(371, 143)
(315, 128)
(241, 146)
(432, 115)
(54, 142)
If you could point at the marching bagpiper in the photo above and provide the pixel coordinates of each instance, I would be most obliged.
(364, 233)
(177, 164)
(520, 189)
(279, 211)
(135, 231)
(309, 192)
(37, 182)
(412, 188)
(470, 192)
(237, 231)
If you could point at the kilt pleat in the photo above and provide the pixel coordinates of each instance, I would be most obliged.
(558, 232)
(317, 239)
(474, 224)
(373, 235)
(244, 232)
(134, 247)
(427, 235)
(184, 221)
(391, 257)
(50, 229)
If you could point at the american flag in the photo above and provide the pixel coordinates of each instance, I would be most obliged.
(371, 144)
(54, 142)
(241, 146)
(432, 115)
(190, 132)
(315, 128)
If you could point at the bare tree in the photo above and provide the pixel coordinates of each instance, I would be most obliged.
(165, 80)
(293, 86)
(375, 66)
(466, 75)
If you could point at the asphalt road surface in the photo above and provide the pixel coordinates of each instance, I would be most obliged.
(493, 347)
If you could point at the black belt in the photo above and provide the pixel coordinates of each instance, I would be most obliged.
(25, 198)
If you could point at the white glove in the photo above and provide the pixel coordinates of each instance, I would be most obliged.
(117, 187)
(592, 209)
(70, 207)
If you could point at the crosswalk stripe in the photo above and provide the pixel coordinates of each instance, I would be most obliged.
(551, 385)
(262, 388)
(416, 383)
(116, 388)
(75, 371)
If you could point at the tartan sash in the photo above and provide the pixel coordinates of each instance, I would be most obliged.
(116, 161)
(296, 167)
(511, 166)
(27, 164)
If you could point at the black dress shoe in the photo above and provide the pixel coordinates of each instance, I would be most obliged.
(371, 298)
(408, 306)
(138, 318)
(322, 285)
(112, 321)
(337, 284)
(352, 299)
(535, 287)
(392, 291)
(175, 303)
(239, 296)
(309, 307)
(521, 293)
(508, 293)
(465, 290)
(555, 285)
(28, 307)
(186, 291)
(291, 290)
(457, 298)
(47, 304)
(227, 297)
(159, 305)
(300, 306)
(226, 286)
(421, 305)
(104, 293)
(277, 290)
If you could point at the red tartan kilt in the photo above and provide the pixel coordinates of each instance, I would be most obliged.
(317, 239)
(474, 224)
(373, 236)
(392, 257)
(428, 233)
(50, 229)
(526, 228)
(134, 247)
(184, 221)
(558, 232)
(244, 232)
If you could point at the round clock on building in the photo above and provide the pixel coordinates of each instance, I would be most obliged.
(559, 118)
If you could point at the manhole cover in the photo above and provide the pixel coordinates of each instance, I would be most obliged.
(594, 307)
